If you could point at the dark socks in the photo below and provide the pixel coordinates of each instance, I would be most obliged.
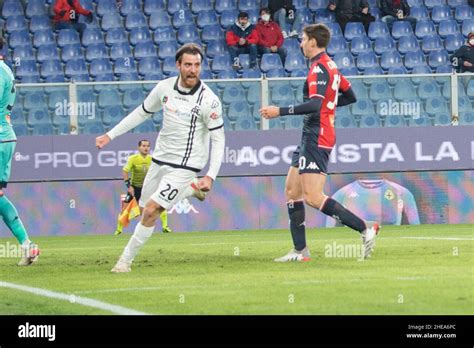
(297, 224)
(341, 214)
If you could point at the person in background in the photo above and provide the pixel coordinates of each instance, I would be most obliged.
(242, 38)
(351, 11)
(270, 38)
(463, 58)
(393, 10)
(284, 13)
(66, 15)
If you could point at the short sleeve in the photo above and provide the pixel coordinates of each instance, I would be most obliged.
(318, 80)
(213, 114)
(344, 85)
(154, 101)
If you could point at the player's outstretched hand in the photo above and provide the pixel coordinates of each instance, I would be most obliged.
(205, 183)
(269, 112)
(101, 141)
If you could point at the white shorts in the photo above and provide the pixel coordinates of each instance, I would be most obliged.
(166, 185)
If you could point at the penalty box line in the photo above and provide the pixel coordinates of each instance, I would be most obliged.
(89, 302)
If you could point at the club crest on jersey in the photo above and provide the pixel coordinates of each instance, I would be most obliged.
(164, 99)
(214, 115)
(214, 104)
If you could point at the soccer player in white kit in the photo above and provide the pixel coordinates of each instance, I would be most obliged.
(192, 115)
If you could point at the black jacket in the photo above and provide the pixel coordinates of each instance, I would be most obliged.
(464, 53)
(275, 5)
(349, 8)
(389, 9)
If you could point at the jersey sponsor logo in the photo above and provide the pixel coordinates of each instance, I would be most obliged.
(312, 83)
(389, 195)
(183, 207)
(321, 82)
(312, 165)
(215, 104)
(317, 70)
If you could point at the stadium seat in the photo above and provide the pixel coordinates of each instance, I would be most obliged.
(344, 60)
(466, 118)
(467, 26)
(454, 42)
(26, 68)
(463, 12)
(324, 16)
(431, 4)
(413, 59)
(96, 51)
(144, 49)
(394, 121)
(58, 78)
(153, 76)
(448, 27)
(133, 97)
(130, 6)
(275, 123)
(227, 18)
(349, 71)
(270, 61)
(75, 67)
(222, 62)
(116, 35)
(111, 21)
(431, 43)
(12, 8)
(280, 91)
(108, 97)
(19, 38)
(366, 60)
(198, 6)
(182, 17)
(120, 50)
(428, 88)
(345, 120)
(23, 53)
(442, 119)
(51, 67)
(401, 28)
(314, 5)
(153, 6)
(424, 28)
(42, 129)
(233, 92)
(378, 29)
(225, 5)
(294, 61)
(359, 88)
(470, 88)
(454, 3)
(335, 29)
(354, 29)
(212, 33)
(145, 127)
(384, 44)
(404, 89)
(408, 43)
(167, 49)
(43, 37)
(238, 109)
(135, 20)
(176, 6)
(379, 90)
(21, 129)
(248, 5)
(438, 58)
(187, 34)
(465, 104)
(68, 37)
(420, 13)
(360, 44)
(39, 22)
(205, 18)
(278, 72)
(390, 60)
(15, 23)
(92, 36)
(362, 107)
(34, 100)
(148, 65)
(435, 105)
(95, 128)
(444, 69)
(112, 114)
(369, 121)
(293, 122)
(38, 115)
(421, 121)
(159, 20)
(139, 35)
(169, 66)
(105, 7)
(71, 52)
(336, 45)
(164, 34)
(440, 13)
(100, 67)
(245, 123)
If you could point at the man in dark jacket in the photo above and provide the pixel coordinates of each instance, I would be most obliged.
(242, 38)
(270, 38)
(66, 15)
(351, 11)
(463, 58)
(393, 10)
(283, 12)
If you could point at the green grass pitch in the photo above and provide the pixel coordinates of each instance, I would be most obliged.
(425, 269)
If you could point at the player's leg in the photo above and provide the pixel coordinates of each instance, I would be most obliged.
(8, 211)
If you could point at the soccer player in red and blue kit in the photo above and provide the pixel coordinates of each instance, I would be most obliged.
(307, 175)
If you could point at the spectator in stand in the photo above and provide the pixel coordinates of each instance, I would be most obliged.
(463, 58)
(242, 37)
(393, 10)
(66, 15)
(283, 12)
(270, 38)
(351, 11)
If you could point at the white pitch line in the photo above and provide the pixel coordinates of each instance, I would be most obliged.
(73, 299)
(437, 238)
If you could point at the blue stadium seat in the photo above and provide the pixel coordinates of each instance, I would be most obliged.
(281, 91)
(420, 13)
(43, 37)
(336, 45)
(251, 74)
(116, 35)
(466, 118)
(428, 89)
(75, 67)
(38, 115)
(408, 43)
(360, 44)
(181, 18)
(112, 114)
(71, 52)
(253, 94)
(187, 34)
(212, 33)
(448, 27)
(244, 61)
(68, 37)
(354, 29)
(111, 21)
(384, 44)
(105, 7)
(237, 109)
(169, 66)
(145, 127)
(22, 53)
(58, 97)
(219, 63)
(34, 100)
(275, 123)
(139, 35)
(51, 67)
(421, 121)
(100, 67)
(454, 3)
(359, 88)
(293, 122)
(248, 5)
(198, 6)
(278, 72)
(470, 88)
(314, 5)
(225, 5)
(465, 104)
(120, 50)
(59, 78)
(164, 34)
(130, 6)
(376, 70)
(206, 75)
(176, 6)
(440, 13)
(36, 7)
(363, 107)
(144, 49)
(95, 127)
(17, 115)
(133, 97)
(245, 123)
(424, 28)
(96, 51)
(344, 60)
(390, 60)
(205, 18)
(395, 121)
(345, 120)
(401, 28)
(378, 29)
(442, 119)
(270, 61)
(159, 20)
(227, 74)
(366, 60)
(467, 26)
(92, 36)
(463, 12)
(430, 4)
(12, 8)
(335, 29)
(324, 16)
(431, 43)
(303, 16)
(21, 129)
(228, 18)
(295, 61)
(167, 49)
(19, 38)
(148, 65)
(153, 76)
(135, 20)
(15, 23)
(404, 89)
(108, 97)
(349, 71)
(42, 129)
(233, 92)
(380, 90)
(125, 65)
(454, 42)
(413, 59)
(369, 121)
(438, 58)
(153, 6)
(39, 22)
(26, 68)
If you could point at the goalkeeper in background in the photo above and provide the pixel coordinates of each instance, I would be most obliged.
(134, 174)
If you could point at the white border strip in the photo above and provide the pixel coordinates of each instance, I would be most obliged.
(437, 238)
(73, 299)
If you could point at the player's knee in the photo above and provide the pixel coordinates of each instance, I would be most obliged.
(151, 212)
(314, 200)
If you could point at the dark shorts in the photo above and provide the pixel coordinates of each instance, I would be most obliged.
(138, 194)
(311, 159)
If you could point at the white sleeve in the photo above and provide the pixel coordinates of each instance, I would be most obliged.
(217, 151)
(150, 105)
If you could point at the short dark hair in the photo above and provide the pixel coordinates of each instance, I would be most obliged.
(319, 32)
(243, 15)
(264, 9)
(189, 48)
(143, 140)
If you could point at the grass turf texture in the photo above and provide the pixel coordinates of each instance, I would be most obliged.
(233, 273)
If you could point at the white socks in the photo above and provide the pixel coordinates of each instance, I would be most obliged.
(138, 239)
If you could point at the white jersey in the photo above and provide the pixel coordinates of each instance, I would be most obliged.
(188, 118)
